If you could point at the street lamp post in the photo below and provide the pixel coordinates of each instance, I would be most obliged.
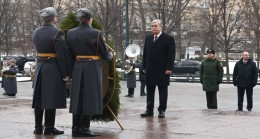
(126, 24)
(126, 31)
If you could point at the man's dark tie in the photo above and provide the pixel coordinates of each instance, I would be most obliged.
(155, 38)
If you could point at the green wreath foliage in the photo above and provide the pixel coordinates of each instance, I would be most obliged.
(112, 96)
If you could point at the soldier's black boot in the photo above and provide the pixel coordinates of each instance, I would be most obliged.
(49, 123)
(38, 114)
(84, 130)
(75, 125)
(132, 92)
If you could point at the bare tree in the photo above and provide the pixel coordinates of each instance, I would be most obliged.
(141, 11)
(252, 26)
(8, 15)
(223, 23)
(28, 20)
(171, 13)
(110, 14)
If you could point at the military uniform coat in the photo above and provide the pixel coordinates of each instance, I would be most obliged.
(131, 77)
(157, 58)
(87, 75)
(211, 74)
(10, 84)
(49, 87)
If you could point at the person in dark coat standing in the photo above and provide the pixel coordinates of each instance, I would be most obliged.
(5, 66)
(131, 77)
(49, 90)
(142, 78)
(157, 64)
(10, 83)
(88, 49)
(245, 76)
(211, 74)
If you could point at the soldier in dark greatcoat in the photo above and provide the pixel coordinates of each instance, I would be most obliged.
(49, 90)
(10, 84)
(131, 78)
(88, 49)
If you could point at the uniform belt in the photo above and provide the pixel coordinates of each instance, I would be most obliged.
(10, 76)
(88, 57)
(46, 55)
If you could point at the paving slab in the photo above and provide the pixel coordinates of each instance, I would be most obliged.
(186, 116)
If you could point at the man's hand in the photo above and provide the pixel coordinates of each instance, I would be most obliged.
(66, 79)
(168, 72)
(144, 71)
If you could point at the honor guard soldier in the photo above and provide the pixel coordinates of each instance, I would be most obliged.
(9, 82)
(49, 91)
(131, 77)
(88, 47)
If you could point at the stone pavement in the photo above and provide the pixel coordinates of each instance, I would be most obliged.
(186, 116)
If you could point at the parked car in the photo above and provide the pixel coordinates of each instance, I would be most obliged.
(187, 66)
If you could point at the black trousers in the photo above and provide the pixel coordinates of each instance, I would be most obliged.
(142, 86)
(49, 117)
(212, 102)
(249, 95)
(163, 96)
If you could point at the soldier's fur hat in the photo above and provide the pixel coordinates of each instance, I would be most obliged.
(83, 14)
(47, 14)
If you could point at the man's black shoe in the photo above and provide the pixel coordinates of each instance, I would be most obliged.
(161, 114)
(129, 96)
(213, 108)
(142, 94)
(249, 109)
(147, 114)
(239, 110)
(5, 94)
(87, 133)
(38, 131)
(52, 131)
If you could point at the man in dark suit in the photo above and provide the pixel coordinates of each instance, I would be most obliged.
(158, 59)
(245, 78)
(88, 49)
(49, 90)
